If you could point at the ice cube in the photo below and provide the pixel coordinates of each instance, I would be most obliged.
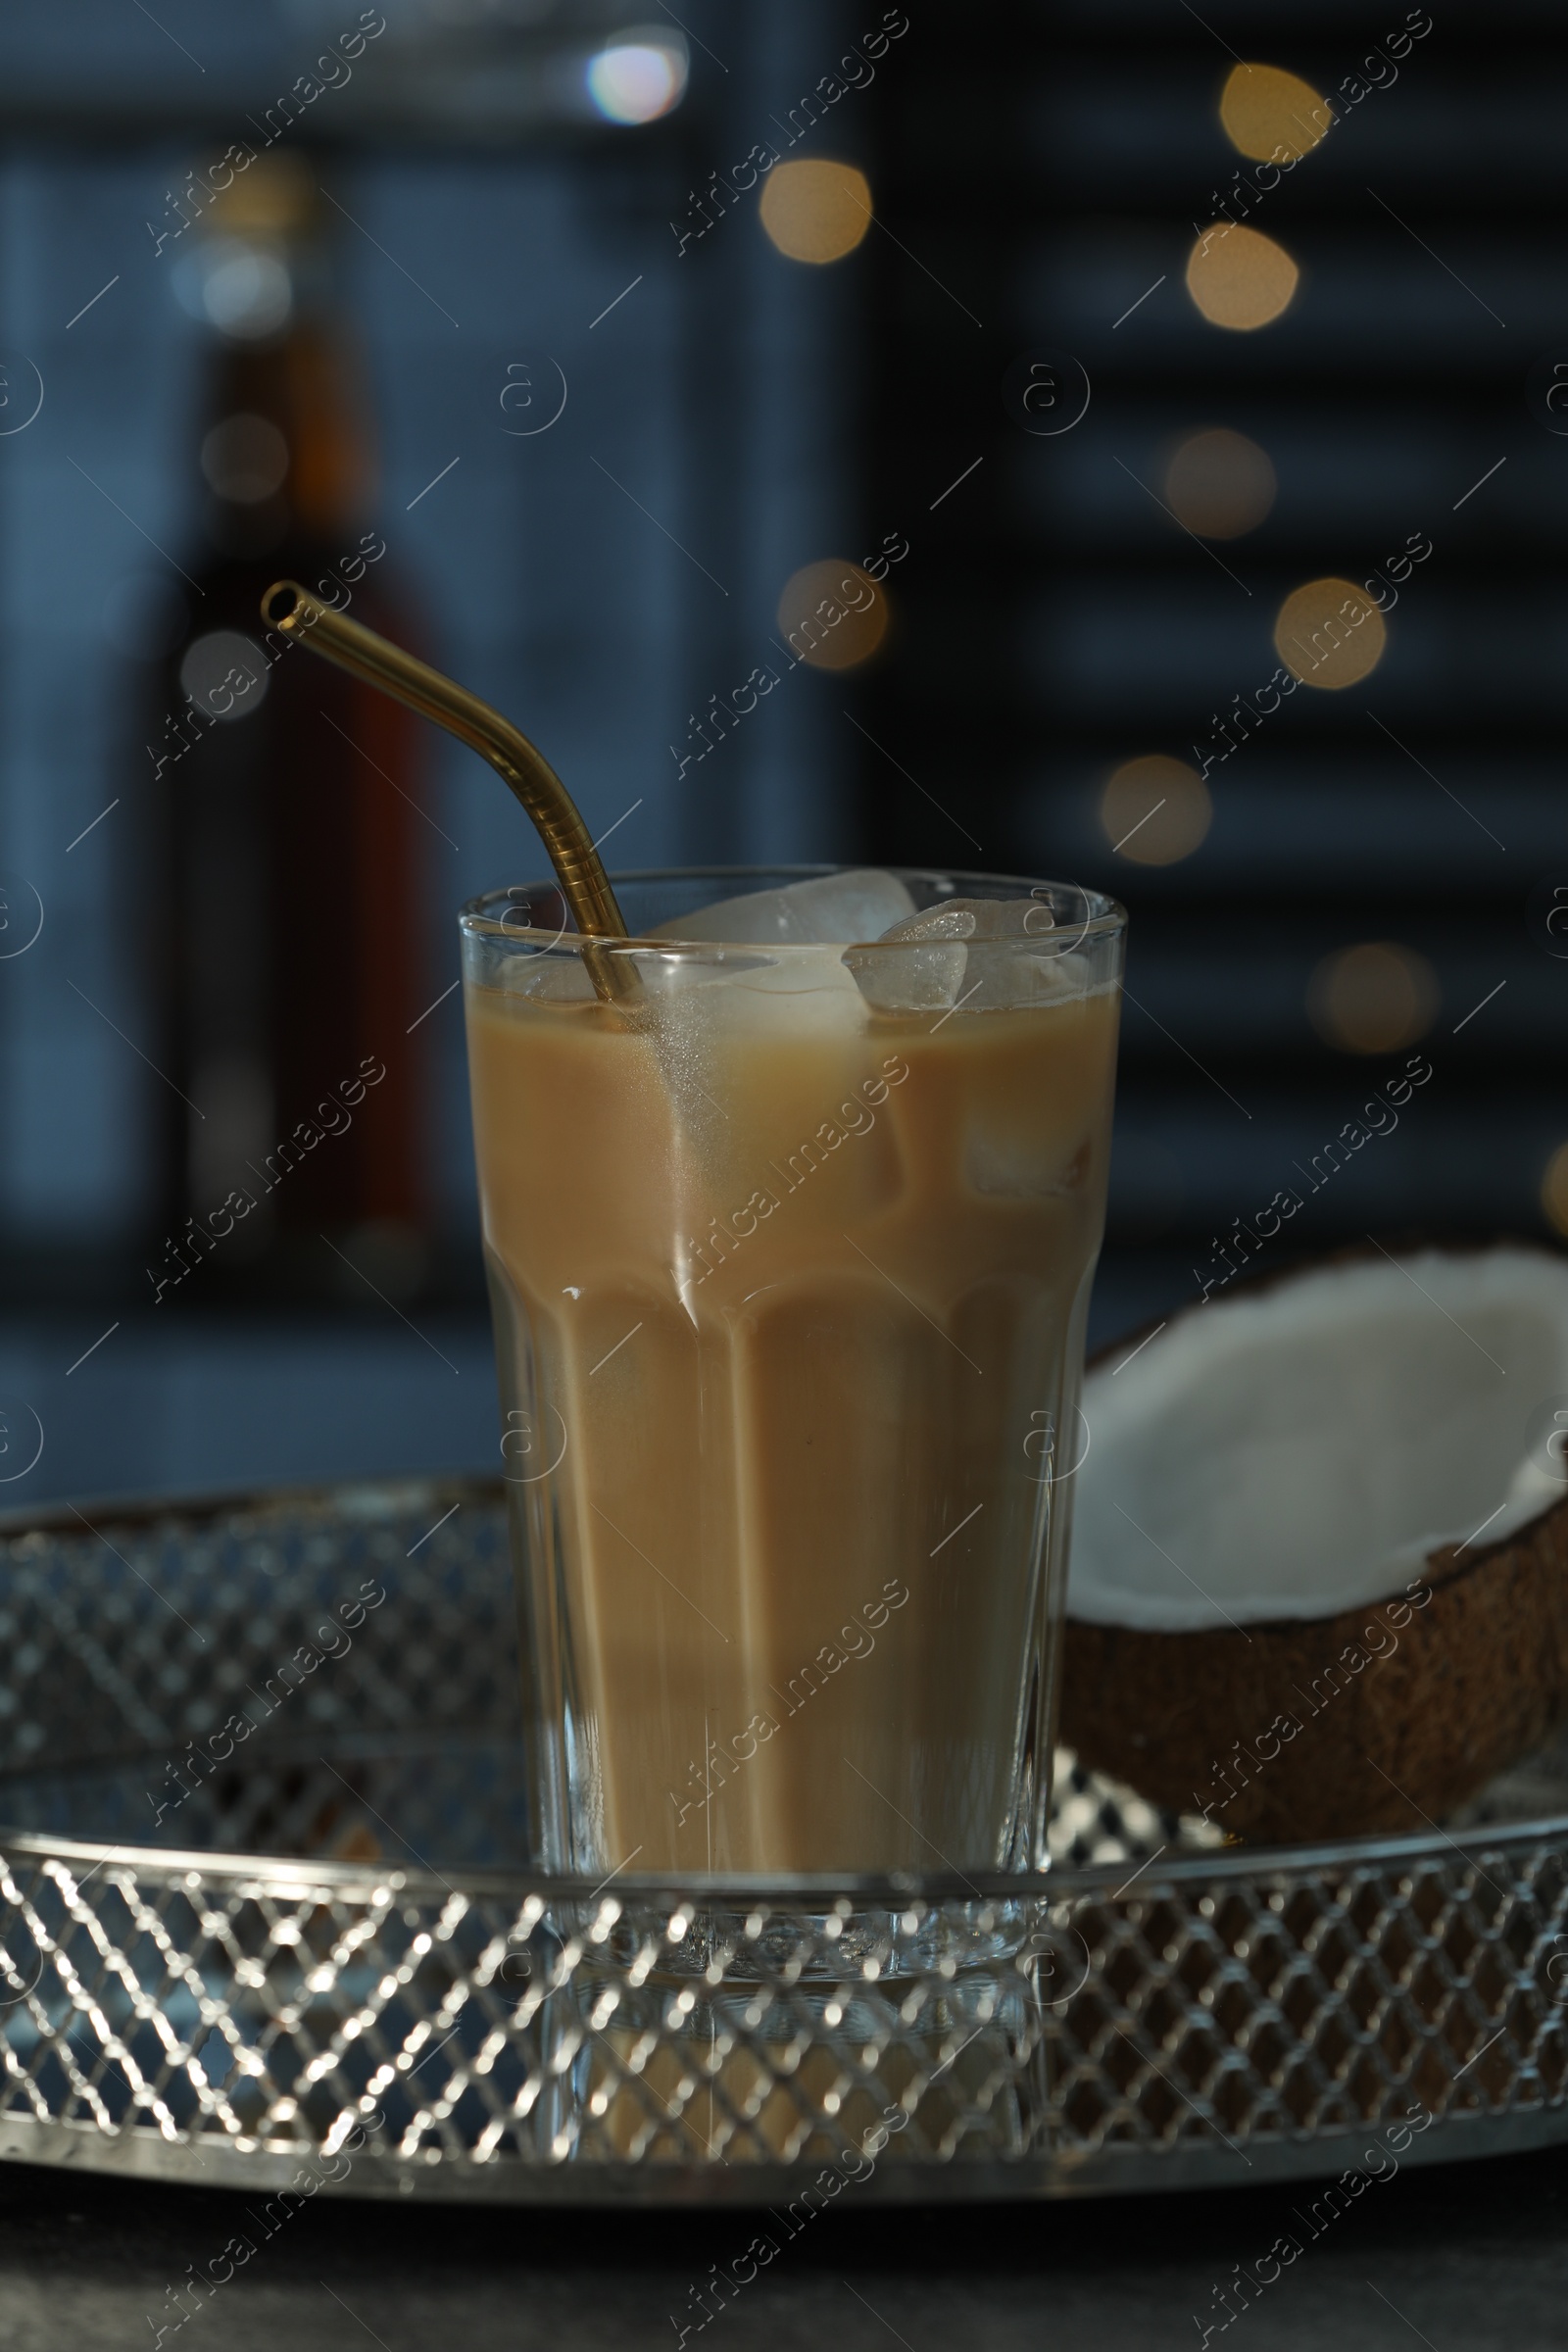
(1016, 947)
(1024, 1165)
(548, 979)
(764, 1070)
(955, 920)
(829, 909)
(927, 975)
(1006, 975)
(977, 954)
(977, 918)
(676, 974)
(808, 990)
(721, 1027)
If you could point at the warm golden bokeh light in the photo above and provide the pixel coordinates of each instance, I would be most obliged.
(1330, 634)
(1156, 810)
(1372, 999)
(1239, 278)
(1554, 1190)
(1220, 484)
(816, 211)
(833, 614)
(1271, 115)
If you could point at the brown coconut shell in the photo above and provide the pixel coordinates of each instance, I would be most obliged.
(1469, 1680)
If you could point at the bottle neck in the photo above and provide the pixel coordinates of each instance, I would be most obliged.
(285, 450)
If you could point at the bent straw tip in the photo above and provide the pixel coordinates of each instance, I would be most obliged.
(282, 603)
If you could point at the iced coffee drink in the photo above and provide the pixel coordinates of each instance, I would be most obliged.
(790, 1247)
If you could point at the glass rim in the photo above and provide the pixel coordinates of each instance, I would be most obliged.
(1104, 917)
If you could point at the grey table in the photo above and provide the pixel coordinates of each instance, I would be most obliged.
(1461, 2258)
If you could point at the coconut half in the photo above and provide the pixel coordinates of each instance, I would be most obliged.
(1319, 1572)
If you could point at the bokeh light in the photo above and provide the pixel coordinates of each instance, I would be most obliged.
(1156, 810)
(1373, 998)
(1269, 114)
(1554, 1190)
(225, 674)
(1239, 278)
(1220, 484)
(833, 614)
(1329, 633)
(815, 211)
(245, 459)
(637, 76)
(241, 289)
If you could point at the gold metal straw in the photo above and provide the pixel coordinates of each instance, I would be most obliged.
(294, 611)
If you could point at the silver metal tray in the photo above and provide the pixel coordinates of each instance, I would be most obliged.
(303, 1958)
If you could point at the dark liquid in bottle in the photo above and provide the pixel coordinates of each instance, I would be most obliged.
(286, 907)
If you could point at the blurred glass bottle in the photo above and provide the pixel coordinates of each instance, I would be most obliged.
(288, 920)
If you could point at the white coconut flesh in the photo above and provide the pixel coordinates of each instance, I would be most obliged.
(1305, 1447)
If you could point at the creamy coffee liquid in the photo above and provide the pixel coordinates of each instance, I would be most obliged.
(787, 1291)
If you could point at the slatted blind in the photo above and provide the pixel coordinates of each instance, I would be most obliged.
(1377, 879)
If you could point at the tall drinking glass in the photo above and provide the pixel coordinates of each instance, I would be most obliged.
(790, 1248)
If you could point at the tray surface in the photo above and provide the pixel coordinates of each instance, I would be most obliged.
(302, 1955)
